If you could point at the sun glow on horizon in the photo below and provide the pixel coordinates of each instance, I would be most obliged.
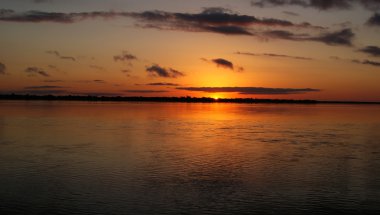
(216, 96)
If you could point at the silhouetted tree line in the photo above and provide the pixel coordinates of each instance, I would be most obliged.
(186, 99)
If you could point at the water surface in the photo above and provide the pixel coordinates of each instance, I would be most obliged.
(176, 158)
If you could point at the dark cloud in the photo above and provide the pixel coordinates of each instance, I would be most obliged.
(217, 20)
(229, 30)
(173, 23)
(5, 12)
(2, 69)
(158, 71)
(329, 4)
(372, 63)
(162, 84)
(66, 18)
(33, 71)
(214, 20)
(45, 87)
(318, 4)
(374, 20)
(269, 3)
(220, 62)
(286, 35)
(274, 55)
(343, 37)
(367, 62)
(96, 81)
(279, 22)
(207, 17)
(213, 16)
(57, 54)
(344, 25)
(371, 50)
(145, 91)
(250, 90)
(212, 10)
(40, 16)
(125, 56)
(126, 71)
(99, 81)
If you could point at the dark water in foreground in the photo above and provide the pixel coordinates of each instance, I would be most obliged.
(166, 158)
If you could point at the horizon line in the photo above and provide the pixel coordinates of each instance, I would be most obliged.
(184, 99)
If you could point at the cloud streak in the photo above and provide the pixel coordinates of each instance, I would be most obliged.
(374, 20)
(216, 20)
(64, 18)
(158, 71)
(290, 13)
(99, 81)
(371, 50)
(220, 62)
(223, 63)
(124, 56)
(250, 90)
(367, 62)
(212, 20)
(273, 55)
(163, 84)
(372, 63)
(96, 81)
(3, 69)
(33, 71)
(57, 54)
(145, 91)
(342, 37)
(319, 4)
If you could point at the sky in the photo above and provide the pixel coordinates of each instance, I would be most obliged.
(285, 49)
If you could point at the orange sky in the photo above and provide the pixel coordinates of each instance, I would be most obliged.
(197, 48)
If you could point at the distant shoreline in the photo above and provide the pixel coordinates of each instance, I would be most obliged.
(172, 99)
